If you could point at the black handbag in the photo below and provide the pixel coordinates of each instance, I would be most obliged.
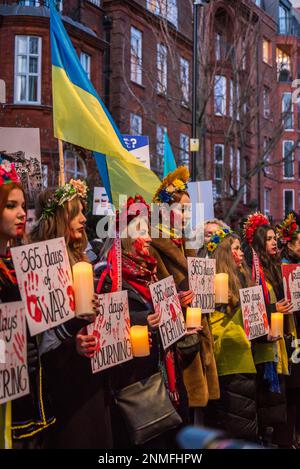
(147, 409)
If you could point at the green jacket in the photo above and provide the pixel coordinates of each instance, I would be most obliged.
(232, 348)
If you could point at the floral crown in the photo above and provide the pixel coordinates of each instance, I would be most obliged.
(123, 216)
(8, 172)
(217, 238)
(288, 230)
(171, 184)
(66, 193)
(252, 223)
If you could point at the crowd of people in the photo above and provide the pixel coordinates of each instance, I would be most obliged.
(214, 376)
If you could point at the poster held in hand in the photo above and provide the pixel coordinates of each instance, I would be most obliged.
(14, 381)
(202, 282)
(254, 312)
(166, 301)
(112, 332)
(291, 284)
(45, 282)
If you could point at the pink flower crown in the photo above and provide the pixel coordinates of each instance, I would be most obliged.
(8, 172)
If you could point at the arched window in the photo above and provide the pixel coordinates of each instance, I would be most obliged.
(75, 167)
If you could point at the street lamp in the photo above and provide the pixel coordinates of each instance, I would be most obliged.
(196, 5)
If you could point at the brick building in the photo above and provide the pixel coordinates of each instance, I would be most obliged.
(25, 68)
(138, 54)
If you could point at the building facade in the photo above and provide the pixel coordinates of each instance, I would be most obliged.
(138, 54)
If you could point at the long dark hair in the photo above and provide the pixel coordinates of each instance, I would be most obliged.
(271, 264)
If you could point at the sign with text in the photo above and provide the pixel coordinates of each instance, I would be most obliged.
(165, 300)
(45, 282)
(291, 284)
(112, 332)
(138, 145)
(202, 282)
(254, 312)
(101, 203)
(14, 381)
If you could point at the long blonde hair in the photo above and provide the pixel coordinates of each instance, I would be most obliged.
(58, 225)
(239, 277)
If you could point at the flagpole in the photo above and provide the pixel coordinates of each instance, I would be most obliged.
(61, 176)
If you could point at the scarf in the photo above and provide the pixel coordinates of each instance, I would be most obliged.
(139, 272)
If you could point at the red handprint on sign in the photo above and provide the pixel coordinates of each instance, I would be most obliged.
(31, 288)
(173, 312)
(18, 346)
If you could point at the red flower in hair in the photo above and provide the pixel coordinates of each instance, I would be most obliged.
(253, 222)
(127, 217)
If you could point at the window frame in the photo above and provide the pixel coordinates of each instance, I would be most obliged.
(140, 124)
(284, 162)
(218, 163)
(136, 76)
(162, 68)
(27, 74)
(223, 96)
(293, 205)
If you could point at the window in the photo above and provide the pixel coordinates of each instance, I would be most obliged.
(266, 51)
(220, 95)
(219, 163)
(231, 98)
(283, 62)
(135, 124)
(266, 156)
(288, 158)
(184, 79)
(75, 166)
(288, 201)
(283, 20)
(287, 111)
(231, 172)
(166, 8)
(184, 154)
(266, 102)
(162, 77)
(267, 201)
(28, 69)
(218, 46)
(136, 55)
(44, 176)
(85, 60)
(244, 54)
(37, 3)
(96, 2)
(160, 133)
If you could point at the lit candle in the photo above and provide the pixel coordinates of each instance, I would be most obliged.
(83, 284)
(277, 324)
(193, 317)
(221, 288)
(140, 341)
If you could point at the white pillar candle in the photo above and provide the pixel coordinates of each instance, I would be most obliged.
(83, 284)
(221, 288)
(140, 341)
(277, 324)
(193, 317)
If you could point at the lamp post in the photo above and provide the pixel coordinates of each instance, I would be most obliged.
(195, 142)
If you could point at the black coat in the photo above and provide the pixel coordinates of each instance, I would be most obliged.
(235, 411)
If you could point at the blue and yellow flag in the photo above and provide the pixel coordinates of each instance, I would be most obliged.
(80, 117)
(169, 160)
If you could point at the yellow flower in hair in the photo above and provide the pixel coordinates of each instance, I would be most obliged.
(210, 246)
(179, 184)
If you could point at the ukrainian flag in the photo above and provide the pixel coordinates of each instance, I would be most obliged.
(80, 117)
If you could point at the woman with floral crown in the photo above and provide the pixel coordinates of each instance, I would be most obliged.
(79, 398)
(288, 233)
(28, 421)
(170, 249)
(270, 354)
(139, 271)
(235, 412)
